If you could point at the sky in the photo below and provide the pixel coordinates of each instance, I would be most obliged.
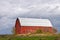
(11, 9)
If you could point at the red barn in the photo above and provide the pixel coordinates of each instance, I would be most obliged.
(30, 25)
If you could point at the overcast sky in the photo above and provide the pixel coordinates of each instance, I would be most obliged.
(11, 9)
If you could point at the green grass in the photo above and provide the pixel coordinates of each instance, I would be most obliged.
(28, 38)
(35, 38)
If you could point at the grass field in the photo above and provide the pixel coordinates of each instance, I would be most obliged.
(29, 37)
(35, 38)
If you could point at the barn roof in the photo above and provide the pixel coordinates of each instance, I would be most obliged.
(35, 22)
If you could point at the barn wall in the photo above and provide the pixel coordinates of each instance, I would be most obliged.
(27, 29)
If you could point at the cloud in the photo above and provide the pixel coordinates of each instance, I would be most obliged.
(19, 7)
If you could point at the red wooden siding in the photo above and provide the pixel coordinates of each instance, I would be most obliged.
(17, 27)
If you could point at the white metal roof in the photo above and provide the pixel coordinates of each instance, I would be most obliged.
(35, 22)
